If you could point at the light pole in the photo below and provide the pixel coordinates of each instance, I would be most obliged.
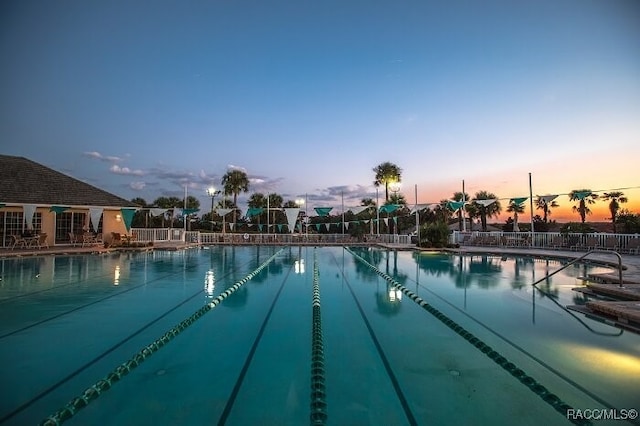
(212, 192)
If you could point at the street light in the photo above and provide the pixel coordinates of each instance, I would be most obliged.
(212, 192)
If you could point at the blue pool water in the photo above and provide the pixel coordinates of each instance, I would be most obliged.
(368, 354)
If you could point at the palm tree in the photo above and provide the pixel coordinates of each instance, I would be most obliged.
(546, 207)
(397, 199)
(615, 198)
(387, 173)
(234, 182)
(443, 210)
(370, 202)
(275, 202)
(472, 213)
(257, 200)
(515, 208)
(492, 210)
(459, 196)
(584, 197)
(367, 202)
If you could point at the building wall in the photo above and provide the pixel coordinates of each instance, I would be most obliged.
(111, 222)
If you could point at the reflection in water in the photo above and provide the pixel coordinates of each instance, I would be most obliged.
(209, 283)
(395, 295)
(116, 275)
(372, 256)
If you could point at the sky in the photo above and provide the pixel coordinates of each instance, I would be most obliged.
(144, 98)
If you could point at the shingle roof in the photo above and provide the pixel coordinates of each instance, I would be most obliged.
(23, 181)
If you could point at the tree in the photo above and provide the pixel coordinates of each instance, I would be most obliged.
(546, 207)
(492, 210)
(397, 199)
(515, 208)
(459, 196)
(615, 198)
(275, 202)
(387, 173)
(192, 203)
(442, 211)
(234, 182)
(629, 221)
(140, 218)
(368, 202)
(472, 213)
(584, 197)
(257, 200)
(168, 203)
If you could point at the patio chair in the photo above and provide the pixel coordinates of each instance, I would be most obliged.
(42, 241)
(557, 242)
(611, 243)
(116, 240)
(590, 243)
(17, 241)
(633, 246)
(73, 238)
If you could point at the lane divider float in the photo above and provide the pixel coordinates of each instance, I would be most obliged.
(537, 388)
(93, 392)
(318, 390)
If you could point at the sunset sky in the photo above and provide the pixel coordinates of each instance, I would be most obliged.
(143, 98)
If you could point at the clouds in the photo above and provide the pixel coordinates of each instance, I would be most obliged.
(125, 171)
(137, 186)
(99, 156)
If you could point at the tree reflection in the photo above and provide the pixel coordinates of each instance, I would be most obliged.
(373, 257)
(434, 264)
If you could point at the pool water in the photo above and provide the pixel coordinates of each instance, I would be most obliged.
(368, 354)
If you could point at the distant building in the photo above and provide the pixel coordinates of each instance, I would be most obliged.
(37, 199)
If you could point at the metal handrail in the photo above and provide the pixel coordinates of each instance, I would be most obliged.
(582, 257)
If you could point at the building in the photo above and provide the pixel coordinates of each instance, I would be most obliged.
(37, 199)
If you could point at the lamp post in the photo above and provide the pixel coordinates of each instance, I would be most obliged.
(212, 192)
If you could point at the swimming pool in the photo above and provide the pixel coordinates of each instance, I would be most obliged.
(318, 333)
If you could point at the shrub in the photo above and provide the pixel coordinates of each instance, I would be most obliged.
(434, 235)
(575, 228)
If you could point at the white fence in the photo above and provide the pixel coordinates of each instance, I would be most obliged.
(555, 240)
(176, 234)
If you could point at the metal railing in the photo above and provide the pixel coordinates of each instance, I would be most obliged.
(551, 240)
(621, 285)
